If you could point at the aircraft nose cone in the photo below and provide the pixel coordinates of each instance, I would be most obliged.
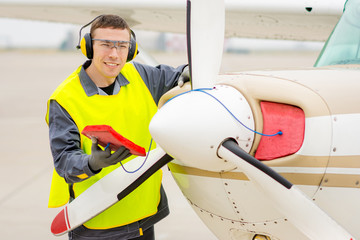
(191, 126)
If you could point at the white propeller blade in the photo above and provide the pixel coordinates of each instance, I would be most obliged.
(108, 191)
(205, 33)
(289, 200)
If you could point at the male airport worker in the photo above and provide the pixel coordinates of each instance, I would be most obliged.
(108, 89)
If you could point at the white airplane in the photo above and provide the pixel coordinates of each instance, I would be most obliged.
(263, 154)
(277, 19)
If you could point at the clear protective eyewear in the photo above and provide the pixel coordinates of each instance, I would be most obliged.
(110, 44)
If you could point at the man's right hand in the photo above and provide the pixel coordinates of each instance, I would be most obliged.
(100, 159)
(184, 77)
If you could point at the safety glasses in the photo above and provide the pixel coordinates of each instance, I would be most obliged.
(110, 44)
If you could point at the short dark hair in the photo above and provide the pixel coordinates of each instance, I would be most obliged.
(109, 21)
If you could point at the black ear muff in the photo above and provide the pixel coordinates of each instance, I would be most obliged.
(86, 46)
(133, 51)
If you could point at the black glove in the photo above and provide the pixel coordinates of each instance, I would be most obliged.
(100, 159)
(184, 77)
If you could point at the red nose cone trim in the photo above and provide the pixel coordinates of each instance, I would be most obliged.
(60, 224)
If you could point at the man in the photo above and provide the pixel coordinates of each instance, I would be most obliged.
(108, 90)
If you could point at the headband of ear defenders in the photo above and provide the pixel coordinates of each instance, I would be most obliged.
(86, 46)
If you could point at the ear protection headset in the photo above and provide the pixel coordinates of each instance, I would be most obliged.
(86, 46)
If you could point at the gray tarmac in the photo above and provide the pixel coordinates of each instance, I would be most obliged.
(27, 79)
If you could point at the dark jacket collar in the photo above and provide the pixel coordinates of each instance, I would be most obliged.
(90, 87)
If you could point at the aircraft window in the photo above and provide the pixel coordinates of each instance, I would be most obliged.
(343, 45)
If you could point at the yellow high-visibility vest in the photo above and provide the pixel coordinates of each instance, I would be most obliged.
(129, 112)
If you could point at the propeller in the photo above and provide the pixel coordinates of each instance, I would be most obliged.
(205, 39)
(194, 127)
(191, 125)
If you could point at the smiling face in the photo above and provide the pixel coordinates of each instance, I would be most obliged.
(107, 61)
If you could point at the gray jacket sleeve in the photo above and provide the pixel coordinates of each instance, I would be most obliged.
(69, 159)
(159, 79)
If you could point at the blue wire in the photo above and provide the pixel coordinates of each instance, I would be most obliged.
(199, 89)
(147, 155)
(203, 91)
(108, 145)
(263, 134)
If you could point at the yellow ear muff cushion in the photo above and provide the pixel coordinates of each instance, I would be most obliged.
(83, 46)
(136, 51)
